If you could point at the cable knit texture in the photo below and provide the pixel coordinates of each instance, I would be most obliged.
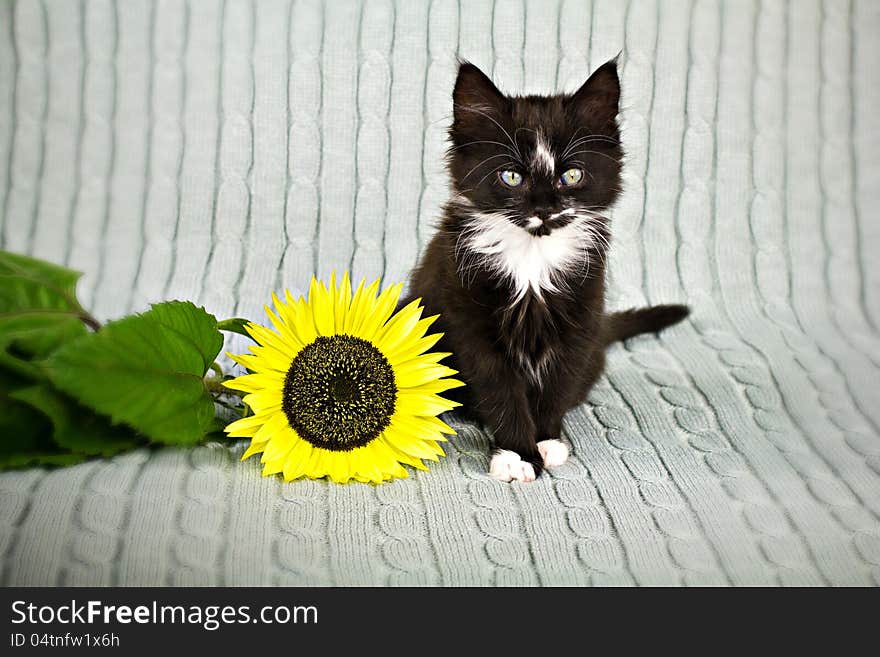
(217, 150)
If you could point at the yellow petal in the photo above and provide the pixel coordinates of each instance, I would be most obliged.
(435, 424)
(399, 328)
(352, 314)
(407, 349)
(303, 323)
(246, 426)
(251, 450)
(297, 460)
(414, 373)
(404, 428)
(271, 358)
(260, 445)
(365, 459)
(275, 424)
(396, 471)
(256, 364)
(381, 311)
(284, 344)
(262, 400)
(362, 307)
(385, 457)
(313, 462)
(322, 308)
(441, 385)
(417, 403)
(423, 449)
(353, 458)
(280, 445)
(255, 382)
(428, 359)
(440, 425)
(291, 301)
(338, 467)
(284, 330)
(402, 456)
(342, 302)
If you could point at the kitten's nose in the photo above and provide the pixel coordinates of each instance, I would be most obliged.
(544, 213)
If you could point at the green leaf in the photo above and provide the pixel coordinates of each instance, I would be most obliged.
(75, 427)
(37, 339)
(28, 338)
(217, 430)
(60, 281)
(38, 311)
(146, 371)
(234, 325)
(25, 433)
(22, 428)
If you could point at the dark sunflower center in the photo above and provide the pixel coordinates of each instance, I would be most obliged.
(339, 392)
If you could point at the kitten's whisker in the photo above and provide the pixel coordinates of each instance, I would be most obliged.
(568, 145)
(489, 174)
(585, 255)
(603, 242)
(597, 153)
(601, 252)
(512, 142)
(524, 129)
(588, 138)
(445, 117)
(583, 140)
(491, 157)
(464, 191)
(483, 141)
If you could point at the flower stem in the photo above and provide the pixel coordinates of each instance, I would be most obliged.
(234, 325)
(215, 386)
(90, 321)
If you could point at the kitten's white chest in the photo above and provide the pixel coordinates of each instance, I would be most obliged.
(528, 261)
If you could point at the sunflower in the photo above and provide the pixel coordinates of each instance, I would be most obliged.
(343, 387)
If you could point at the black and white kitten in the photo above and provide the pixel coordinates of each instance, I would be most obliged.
(517, 267)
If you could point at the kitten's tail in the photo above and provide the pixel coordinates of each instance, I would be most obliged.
(635, 321)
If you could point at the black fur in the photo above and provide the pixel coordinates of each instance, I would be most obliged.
(527, 361)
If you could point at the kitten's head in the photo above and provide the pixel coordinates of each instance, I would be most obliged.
(541, 162)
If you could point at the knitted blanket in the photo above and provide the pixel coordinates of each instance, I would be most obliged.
(217, 150)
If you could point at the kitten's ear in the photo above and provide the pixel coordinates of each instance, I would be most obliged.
(597, 102)
(475, 96)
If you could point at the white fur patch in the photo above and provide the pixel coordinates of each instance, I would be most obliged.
(554, 452)
(531, 262)
(543, 158)
(508, 466)
(461, 201)
(534, 369)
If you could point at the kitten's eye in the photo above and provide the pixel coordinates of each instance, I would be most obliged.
(571, 177)
(511, 178)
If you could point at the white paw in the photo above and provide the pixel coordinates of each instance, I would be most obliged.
(508, 466)
(554, 452)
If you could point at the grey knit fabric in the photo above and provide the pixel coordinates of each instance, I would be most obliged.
(219, 150)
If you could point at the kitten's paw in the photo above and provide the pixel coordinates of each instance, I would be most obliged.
(554, 452)
(508, 466)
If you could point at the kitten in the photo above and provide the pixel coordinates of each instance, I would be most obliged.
(517, 267)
